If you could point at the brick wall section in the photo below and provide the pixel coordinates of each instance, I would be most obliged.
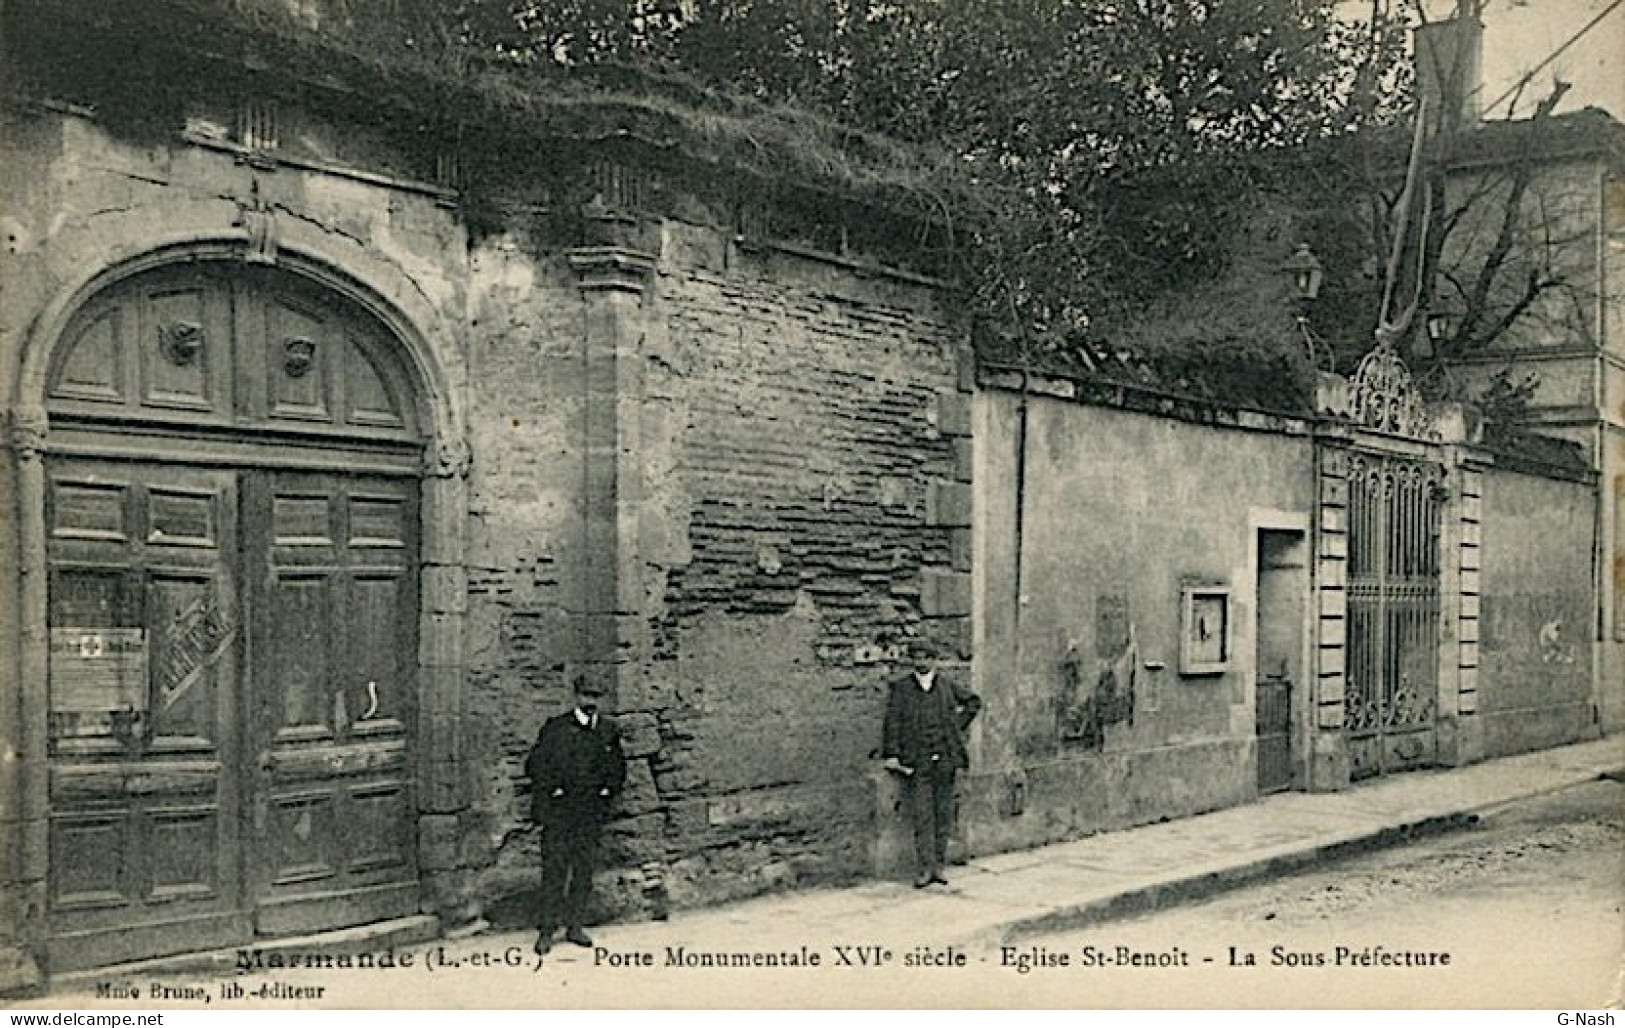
(799, 503)
(804, 440)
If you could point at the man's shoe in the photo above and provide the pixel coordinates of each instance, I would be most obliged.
(577, 936)
(544, 942)
(937, 879)
(921, 881)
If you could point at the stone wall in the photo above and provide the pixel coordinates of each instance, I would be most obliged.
(725, 475)
(795, 434)
(1535, 633)
(1089, 721)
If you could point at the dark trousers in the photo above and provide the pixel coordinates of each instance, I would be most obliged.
(931, 808)
(569, 854)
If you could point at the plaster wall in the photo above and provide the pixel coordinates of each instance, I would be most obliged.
(1118, 512)
(1536, 637)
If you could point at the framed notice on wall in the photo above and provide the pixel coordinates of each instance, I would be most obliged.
(1204, 646)
(98, 670)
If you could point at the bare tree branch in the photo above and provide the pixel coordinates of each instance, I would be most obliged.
(1522, 172)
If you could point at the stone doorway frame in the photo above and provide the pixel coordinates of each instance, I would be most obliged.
(439, 375)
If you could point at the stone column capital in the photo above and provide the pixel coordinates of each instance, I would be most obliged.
(447, 458)
(612, 268)
(26, 431)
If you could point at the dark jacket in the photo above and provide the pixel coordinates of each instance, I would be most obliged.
(906, 731)
(579, 763)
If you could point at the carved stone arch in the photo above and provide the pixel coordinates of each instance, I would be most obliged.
(423, 330)
(381, 290)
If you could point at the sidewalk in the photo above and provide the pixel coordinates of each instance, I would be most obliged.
(991, 901)
(1114, 874)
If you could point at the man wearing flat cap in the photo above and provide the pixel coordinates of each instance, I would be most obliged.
(576, 770)
(927, 714)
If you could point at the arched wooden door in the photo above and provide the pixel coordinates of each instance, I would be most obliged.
(231, 512)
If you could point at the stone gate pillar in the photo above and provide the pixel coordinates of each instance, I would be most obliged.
(1328, 746)
(1461, 732)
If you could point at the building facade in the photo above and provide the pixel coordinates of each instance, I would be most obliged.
(319, 495)
(1568, 230)
(329, 471)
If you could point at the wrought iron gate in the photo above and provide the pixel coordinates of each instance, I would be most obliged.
(1393, 613)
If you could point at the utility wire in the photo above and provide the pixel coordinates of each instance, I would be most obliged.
(1549, 58)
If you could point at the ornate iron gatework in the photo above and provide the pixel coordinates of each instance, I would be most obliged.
(1393, 613)
(1384, 397)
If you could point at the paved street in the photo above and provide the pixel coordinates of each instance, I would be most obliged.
(1527, 905)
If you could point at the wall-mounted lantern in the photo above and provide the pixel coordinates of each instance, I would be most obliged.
(1305, 272)
(1442, 323)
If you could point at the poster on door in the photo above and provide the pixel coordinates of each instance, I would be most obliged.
(98, 670)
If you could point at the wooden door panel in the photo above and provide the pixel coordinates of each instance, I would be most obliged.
(378, 522)
(186, 362)
(183, 836)
(303, 611)
(302, 829)
(378, 669)
(383, 825)
(299, 342)
(91, 510)
(193, 626)
(88, 864)
(369, 400)
(143, 785)
(183, 517)
(337, 625)
(94, 368)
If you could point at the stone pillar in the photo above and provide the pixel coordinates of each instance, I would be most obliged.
(947, 604)
(613, 282)
(1328, 748)
(1461, 732)
(23, 804)
(442, 797)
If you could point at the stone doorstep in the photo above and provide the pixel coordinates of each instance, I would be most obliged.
(369, 938)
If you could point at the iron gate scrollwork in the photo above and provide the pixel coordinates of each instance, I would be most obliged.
(1393, 613)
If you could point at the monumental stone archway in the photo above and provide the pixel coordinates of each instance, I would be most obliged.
(223, 674)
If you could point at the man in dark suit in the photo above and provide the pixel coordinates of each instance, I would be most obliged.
(576, 770)
(927, 713)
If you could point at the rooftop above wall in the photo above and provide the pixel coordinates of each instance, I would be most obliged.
(1588, 133)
